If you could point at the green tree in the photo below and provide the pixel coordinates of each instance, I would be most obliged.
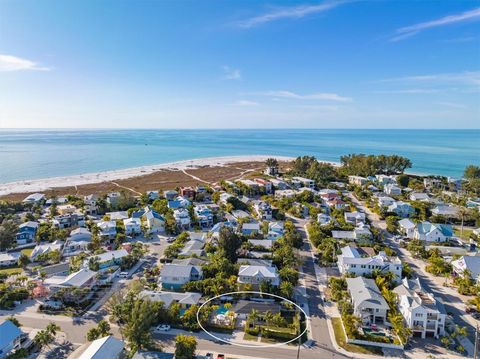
(101, 330)
(23, 260)
(471, 172)
(8, 230)
(138, 321)
(229, 242)
(185, 346)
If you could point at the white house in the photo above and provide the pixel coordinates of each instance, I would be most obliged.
(133, 226)
(34, 198)
(467, 263)
(401, 209)
(204, 216)
(424, 314)
(407, 227)
(368, 302)
(392, 189)
(419, 196)
(154, 221)
(255, 275)
(353, 261)
(306, 182)
(80, 234)
(354, 218)
(9, 259)
(446, 211)
(324, 219)
(45, 248)
(107, 229)
(359, 233)
(182, 218)
(357, 180)
(385, 201)
(385, 179)
(90, 202)
(264, 210)
(185, 300)
(430, 232)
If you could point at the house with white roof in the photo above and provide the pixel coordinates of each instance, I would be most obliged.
(354, 218)
(430, 232)
(11, 338)
(84, 278)
(182, 218)
(275, 230)
(264, 210)
(385, 201)
(401, 209)
(90, 204)
(354, 262)
(66, 209)
(424, 314)
(107, 259)
(279, 184)
(80, 234)
(305, 182)
(471, 264)
(117, 215)
(266, 244)
(78, 242)
(255, 275)
(444, 210)
(324, 219)
(34, 198)
(174, 276)
(45, 248)
(407, 227)
(133, 226)
(357, 180)
(107, 229)
(392, 189)
(385, 179)
(204, 216)
(193, 247)
(285, 193)
(8, 259)
(106, 347)
(359, 233)
(419, 196)
(179, 202)
(368, 302)
(185, 300)
(26, 232)
(112, 198)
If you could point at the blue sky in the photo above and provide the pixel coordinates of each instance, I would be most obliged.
(240, 64)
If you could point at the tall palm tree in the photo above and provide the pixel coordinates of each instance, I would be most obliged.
(253, 316)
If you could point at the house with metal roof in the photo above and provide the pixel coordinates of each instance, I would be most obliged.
(424, 314)
(430, 232)
(84, 278)
(401, 209)
(407, 227)
(26, 232)
(10, 338)
(174, 276)
(185, 300)
(368, 302)
(255, 275)
(107, 347)
(471, 264)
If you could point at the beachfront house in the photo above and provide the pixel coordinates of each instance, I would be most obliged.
(368, 303)
(424, 314)
(353, 260)
(26, 232)
(11, 338)
(34, 198)
(255, 275)
(174, 276)
(357, 180)
(430, 232)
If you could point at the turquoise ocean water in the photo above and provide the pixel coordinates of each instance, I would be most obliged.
(32, 154)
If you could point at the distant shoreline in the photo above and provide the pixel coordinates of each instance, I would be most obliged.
(43, 184)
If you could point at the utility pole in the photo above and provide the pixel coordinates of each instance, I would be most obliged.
(475, 355)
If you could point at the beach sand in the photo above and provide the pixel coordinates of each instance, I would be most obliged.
(141, 179)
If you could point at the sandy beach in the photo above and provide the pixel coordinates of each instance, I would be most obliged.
(44, 184)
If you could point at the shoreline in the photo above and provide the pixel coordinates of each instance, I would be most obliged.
(44, 184)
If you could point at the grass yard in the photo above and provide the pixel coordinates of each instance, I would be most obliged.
(353, 348)
(11, 271)
(247, 336)
(27, 251)
(466, 233)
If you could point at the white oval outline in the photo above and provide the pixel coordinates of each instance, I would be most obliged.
(245, 345)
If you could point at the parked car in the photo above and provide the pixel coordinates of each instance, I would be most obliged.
(221, 356)
(123, 275)
(162, 328)
(209, 355)
(469, 310)
(170, 239)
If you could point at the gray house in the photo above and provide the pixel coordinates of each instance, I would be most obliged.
(368, 302)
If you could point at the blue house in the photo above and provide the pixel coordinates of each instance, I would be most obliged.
(10, 338)
(26, 232)
(174, 276)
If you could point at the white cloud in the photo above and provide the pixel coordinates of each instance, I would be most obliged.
(451, 104)
(314, 96)
(231, 74)
(409, 31)
(13, 63)
(410, 91)
(245, 103)
(466, 78)
(295, 12)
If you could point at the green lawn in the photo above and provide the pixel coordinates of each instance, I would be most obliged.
(11, 271)
(353, 348)
(27, 251)
(247, 336)
(466, 233)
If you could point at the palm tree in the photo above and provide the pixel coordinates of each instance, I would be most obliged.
(253, 316)
(52, 328)
(463, 212)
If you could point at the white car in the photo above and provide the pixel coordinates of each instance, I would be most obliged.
(162, 328)
(123, 275)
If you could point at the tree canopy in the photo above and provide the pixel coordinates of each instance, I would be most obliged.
(369, 165)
